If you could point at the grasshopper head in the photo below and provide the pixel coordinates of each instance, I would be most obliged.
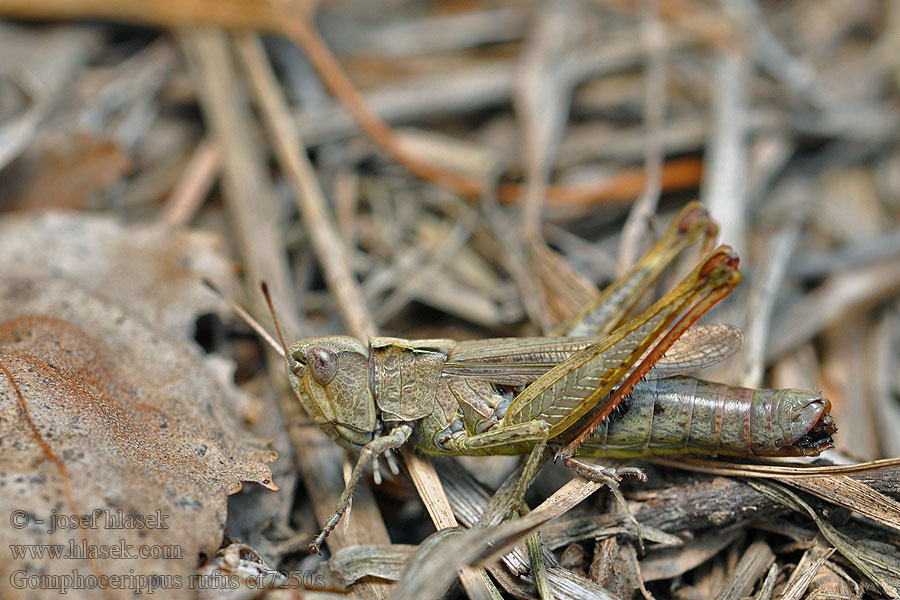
(330, 376)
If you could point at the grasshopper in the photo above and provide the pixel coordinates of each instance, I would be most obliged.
(513, 395)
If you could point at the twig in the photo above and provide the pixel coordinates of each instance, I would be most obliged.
(542, 96)
(620, 188)
(635, 240)
(430, 489)
(194, 184)
(750, 361)
(325, 239)
(339, 83)
(753, 564)
(247, 191)
(723, 189)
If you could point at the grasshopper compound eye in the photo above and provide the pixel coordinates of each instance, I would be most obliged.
(322, 363)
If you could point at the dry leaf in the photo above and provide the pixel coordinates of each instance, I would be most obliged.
(127, 415)
(70, 173)
(152, 269)
(104, 415)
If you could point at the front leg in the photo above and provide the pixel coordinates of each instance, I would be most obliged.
(379, 445)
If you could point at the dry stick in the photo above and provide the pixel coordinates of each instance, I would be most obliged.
(334, 77)
(470, 500)
(807, 568)
(541, 95)
(753, 564)
(483, 545)
(548, 286)
(325, 239)
(246, 188)
(724, 185)
(541, 108)
(619, 188)
(239, 15)
(750, 361)
(331, 252)
(248, 197)
(427, 483)
(635, 239)
(194, 184)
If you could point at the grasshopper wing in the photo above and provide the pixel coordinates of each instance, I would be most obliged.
(512, 361)
(519, 361)
(699, 347)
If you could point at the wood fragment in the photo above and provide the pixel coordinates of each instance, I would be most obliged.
(761, 298)
(723, 190)
(808, 567)
(310, 200)
(193, 185)
(831, 582)
(755, 561)
(615, 567)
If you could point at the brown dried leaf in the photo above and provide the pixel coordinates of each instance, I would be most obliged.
(68, 174)
(152, 269)
(101, 412)
(111, 415)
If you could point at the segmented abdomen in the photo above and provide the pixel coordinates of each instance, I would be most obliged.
(683, 415)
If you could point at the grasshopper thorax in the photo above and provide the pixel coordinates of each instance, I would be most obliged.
(330, 376)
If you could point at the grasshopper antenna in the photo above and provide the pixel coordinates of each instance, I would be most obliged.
(253, 323)
(284, 349)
